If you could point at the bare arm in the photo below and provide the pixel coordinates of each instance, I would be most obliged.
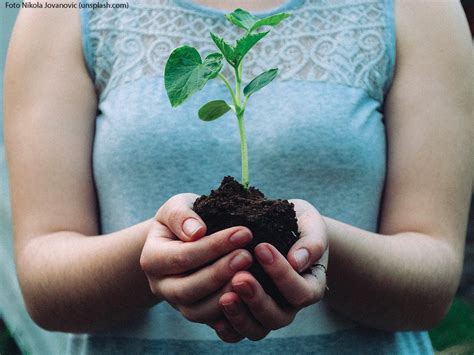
(73, 279)
(406, 276)
(50, 108)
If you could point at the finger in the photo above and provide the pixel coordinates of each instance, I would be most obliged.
(178, 216)
(158, 234)
(170, 257)
(188, 289)
(312, 244)
(240, 318)
(299, 290)
(225, 331)
(207, 310)
(262, 307)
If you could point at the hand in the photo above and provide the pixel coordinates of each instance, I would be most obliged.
(192, 276)
(250, 312)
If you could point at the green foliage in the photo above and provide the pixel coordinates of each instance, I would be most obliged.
(456, 330)
(246, 43)
(260, 81)
(249, 22)
(235, 54)
(226, 49)
(269, 21)
(213, 110)
(241, 18)
(186, 73)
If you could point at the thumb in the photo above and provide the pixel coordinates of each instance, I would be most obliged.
(178, 216)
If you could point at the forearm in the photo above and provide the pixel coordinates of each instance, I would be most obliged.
(391, 282)
(78, 283)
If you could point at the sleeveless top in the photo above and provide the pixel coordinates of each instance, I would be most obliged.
(315, 133)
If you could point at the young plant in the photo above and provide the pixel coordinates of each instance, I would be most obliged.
(186, 73)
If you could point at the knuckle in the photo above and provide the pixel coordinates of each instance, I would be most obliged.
(155, 288)
(221, 271)
(304, 300)
(175, 295)
(217, 244)
(281, 324)
(281, 273)
(218, 275)
(150, 257)
(163, 210)
(150, 265)
(258, 335)
(172, 210)
(174, 214)
(275, 324)
(318, 294)
(258, 306)
(179, 262)
(229, 338)
(191, 315)
(145, 262)
(318, 248)
(286, 321)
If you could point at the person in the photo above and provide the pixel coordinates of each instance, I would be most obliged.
(368, 130)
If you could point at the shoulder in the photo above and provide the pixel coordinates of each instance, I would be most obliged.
(436, 27)
(44, 31)
(45, 49)
(434, 52)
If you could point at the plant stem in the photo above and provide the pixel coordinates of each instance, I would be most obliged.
(245, 103)
(237, 83)
(243, 150)
(240, 109)
(239, 112)
(227, 84)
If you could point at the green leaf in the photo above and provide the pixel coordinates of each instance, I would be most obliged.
(249, 22)
(213, 110)
(269, 21)
(242, 18)
(246, 43)
(234, 55)
(213, 61)
(226, 49)
(260, 81)
(186, 73)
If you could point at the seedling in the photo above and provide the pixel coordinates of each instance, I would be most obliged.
(186, 73)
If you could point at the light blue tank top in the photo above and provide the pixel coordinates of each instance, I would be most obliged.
(316, 133)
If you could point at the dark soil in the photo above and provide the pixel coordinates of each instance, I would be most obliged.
(271, 221)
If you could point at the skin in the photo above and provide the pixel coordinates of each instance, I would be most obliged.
(403, 277)
(249, 5)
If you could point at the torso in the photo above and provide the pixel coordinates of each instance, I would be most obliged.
(316, 133)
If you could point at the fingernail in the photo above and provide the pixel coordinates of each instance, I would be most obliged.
(240, 238)
(191, 226)
(231, 308)
(240, 261)
(301, 257)
(264, 255)
(244, 289)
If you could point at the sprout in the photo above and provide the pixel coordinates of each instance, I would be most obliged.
(187, 73)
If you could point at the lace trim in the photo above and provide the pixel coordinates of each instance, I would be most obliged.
(332, 41)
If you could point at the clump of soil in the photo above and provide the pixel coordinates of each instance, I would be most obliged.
(271, 221)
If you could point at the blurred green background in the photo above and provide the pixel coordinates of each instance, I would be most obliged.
(455, 335)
